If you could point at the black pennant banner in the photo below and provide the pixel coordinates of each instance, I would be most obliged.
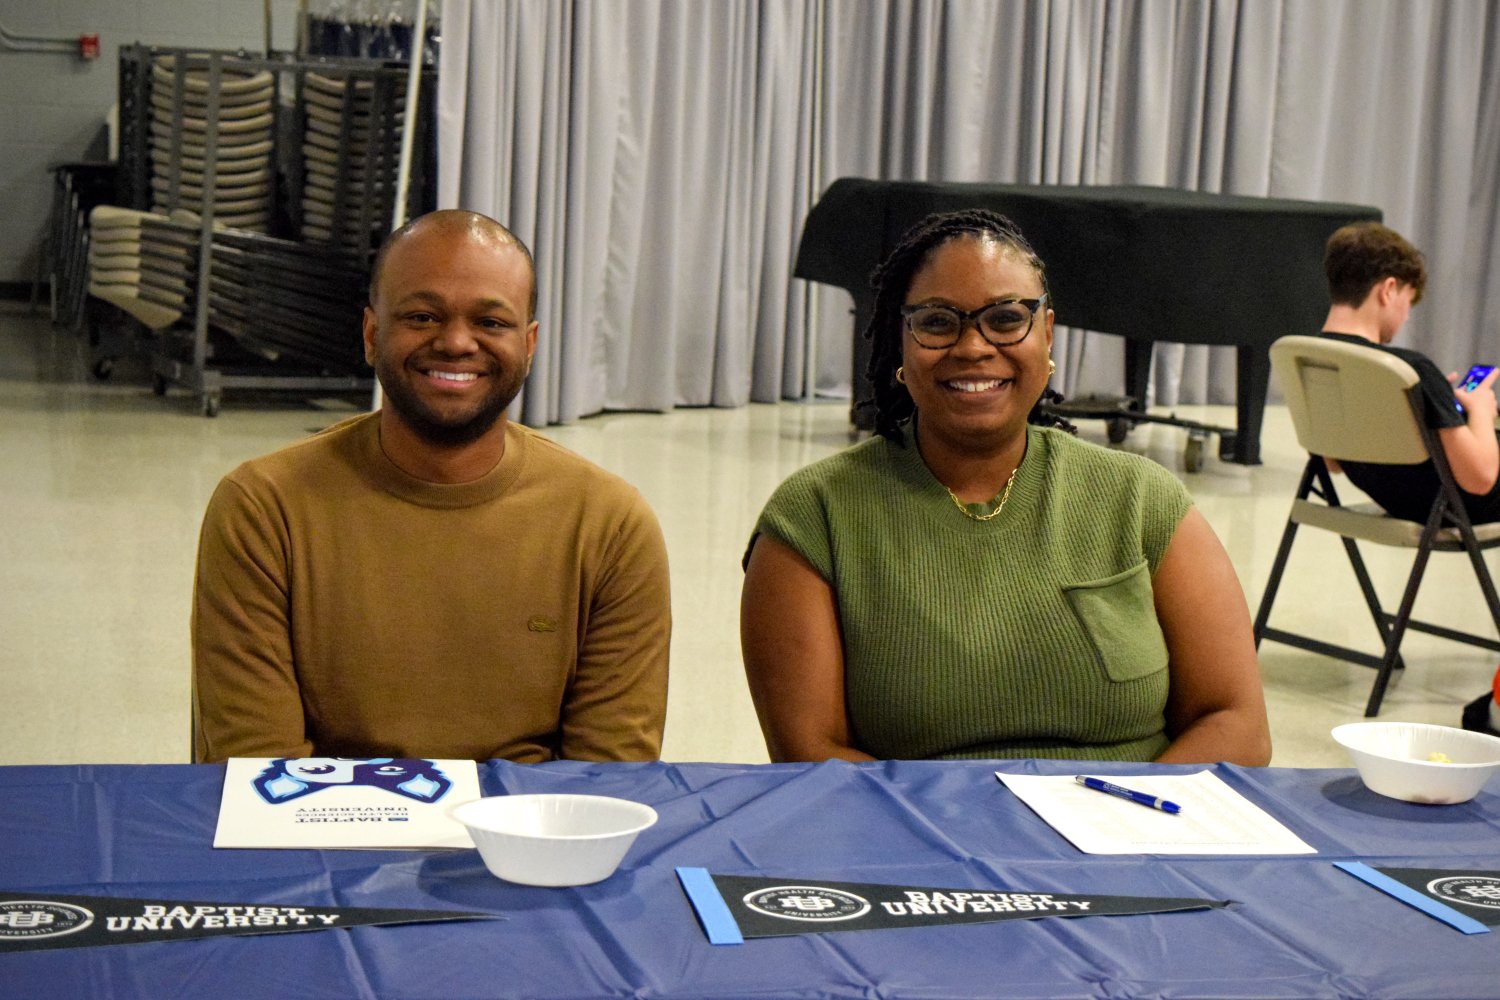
(1466, 900)
(734, 907)
(1473, 893)
(36, 920)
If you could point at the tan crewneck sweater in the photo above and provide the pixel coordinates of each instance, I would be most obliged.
(344, 608)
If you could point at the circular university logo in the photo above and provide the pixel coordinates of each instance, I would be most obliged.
(812, 903)
(1472, 890)
(36, 918)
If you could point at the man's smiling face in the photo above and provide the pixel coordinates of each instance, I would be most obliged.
(449, 331)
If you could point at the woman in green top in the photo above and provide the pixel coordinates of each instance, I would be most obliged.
(971, 583)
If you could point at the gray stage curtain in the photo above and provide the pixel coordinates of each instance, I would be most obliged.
(655, 156)
(660, 157)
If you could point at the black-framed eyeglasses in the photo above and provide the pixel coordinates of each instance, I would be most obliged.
(1001, 323)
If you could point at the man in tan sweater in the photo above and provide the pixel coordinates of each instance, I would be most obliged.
(433, 580)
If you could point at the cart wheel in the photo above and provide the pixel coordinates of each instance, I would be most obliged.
(104, 368)
(210, 404)
(1192, 455)
(159, 384)
(1116, 428)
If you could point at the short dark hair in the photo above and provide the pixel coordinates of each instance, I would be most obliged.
(1361, 255)
(891, 280)
(455, 218)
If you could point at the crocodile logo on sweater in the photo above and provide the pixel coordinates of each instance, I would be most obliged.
(541, 623)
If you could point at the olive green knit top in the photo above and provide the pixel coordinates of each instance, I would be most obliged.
(1032, 634)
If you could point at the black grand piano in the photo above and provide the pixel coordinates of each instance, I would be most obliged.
(1145, 263)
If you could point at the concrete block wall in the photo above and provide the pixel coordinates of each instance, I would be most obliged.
(53, 106)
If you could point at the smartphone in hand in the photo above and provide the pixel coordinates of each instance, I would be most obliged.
(1471, 381)
(1476, 375)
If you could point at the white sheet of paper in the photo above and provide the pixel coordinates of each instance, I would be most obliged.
(340, 802)
(1215, 819)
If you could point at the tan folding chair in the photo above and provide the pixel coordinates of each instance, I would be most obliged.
(1355, 404)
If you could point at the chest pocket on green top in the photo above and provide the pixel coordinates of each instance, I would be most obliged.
(1120, 618)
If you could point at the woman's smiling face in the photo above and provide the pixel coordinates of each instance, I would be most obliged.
(974, 394)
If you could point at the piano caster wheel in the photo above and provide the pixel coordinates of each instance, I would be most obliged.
(210, 404)
(1192, 455)
(1116, 428)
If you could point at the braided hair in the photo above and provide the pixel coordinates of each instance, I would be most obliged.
(892, 278)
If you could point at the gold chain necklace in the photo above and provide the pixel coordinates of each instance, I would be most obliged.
(963, 508)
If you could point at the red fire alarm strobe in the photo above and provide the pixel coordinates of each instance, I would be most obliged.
(88, 46)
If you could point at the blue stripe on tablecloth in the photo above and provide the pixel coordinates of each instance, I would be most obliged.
(713, 912)
(1412, 897)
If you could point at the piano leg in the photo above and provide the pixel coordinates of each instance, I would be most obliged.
(1252, 375)
(1252, 371)
(1137, 371)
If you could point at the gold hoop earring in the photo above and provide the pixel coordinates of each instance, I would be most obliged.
(1051, 367)
(901, 374)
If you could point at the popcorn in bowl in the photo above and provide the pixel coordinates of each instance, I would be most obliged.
(1416, 762)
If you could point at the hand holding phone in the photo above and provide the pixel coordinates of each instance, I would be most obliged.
(1470, 382)
(1476, 375)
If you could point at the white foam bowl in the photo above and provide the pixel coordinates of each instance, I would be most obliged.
(1393, 759)
(553, 840)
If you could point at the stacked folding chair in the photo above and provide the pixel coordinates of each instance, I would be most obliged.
(243, 144)
(350, 146)
(143, 262)
(288, 301)
(237, 152)
(77, 189)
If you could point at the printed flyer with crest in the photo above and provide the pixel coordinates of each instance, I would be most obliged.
(344, 802)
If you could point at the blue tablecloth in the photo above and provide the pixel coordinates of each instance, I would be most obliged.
(1300, 928)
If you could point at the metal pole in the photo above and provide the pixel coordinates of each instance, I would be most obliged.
(409, 126)
(408, 136)
(813, 299)
(207, 393)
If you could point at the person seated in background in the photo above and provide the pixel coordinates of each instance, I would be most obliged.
(1374, 278)
(433, 580)
(972, 583)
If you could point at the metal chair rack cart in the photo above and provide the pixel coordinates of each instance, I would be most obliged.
(65, 265)
(1356, 404)
(284, 173)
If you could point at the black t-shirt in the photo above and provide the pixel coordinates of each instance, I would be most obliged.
(1406, 491)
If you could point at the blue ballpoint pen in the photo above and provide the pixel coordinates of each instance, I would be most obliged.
(1100, 785)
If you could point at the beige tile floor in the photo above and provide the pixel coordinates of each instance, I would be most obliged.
(102, 486)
